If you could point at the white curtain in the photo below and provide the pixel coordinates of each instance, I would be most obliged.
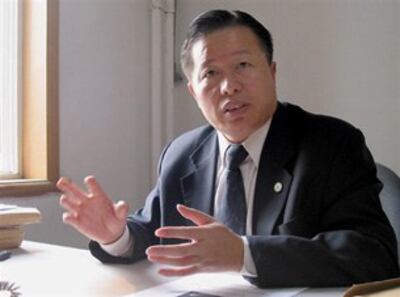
(10, 74)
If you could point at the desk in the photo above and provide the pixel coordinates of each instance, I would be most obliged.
(49, 270)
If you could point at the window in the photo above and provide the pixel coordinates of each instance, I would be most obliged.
(10, 79)
(29, 91)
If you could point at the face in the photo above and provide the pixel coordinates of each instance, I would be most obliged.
(232, 82)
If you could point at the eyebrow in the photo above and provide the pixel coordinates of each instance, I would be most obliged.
(235, 53)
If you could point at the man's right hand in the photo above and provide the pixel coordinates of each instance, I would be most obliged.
(93, 214)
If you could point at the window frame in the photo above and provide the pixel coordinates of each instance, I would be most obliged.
(40, 127)
(14, 107)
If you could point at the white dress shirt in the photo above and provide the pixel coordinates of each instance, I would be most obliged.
(249, 169)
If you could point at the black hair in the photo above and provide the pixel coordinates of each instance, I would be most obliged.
(218, 19)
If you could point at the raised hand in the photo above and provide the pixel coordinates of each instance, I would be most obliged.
(212, 247)
(92, 213)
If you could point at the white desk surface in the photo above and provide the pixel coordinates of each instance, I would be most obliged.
(49, 270)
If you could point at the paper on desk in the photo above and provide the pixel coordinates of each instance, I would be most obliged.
(4, 207)
(220, 284)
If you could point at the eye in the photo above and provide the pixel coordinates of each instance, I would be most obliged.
(209, 73)
(244, 64)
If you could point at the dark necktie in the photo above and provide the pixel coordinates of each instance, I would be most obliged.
(233, 200)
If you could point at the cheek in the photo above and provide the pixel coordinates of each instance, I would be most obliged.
(262, 88)
(210, 110)
(208, 98)
(208, 106)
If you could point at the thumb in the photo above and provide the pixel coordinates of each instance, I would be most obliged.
(196, 216)
(121, 209)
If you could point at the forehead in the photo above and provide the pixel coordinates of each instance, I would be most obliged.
(225, 43)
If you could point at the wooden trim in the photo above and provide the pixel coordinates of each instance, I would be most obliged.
(40, 144)
(25, 187)
(52, 91)
(34, 90)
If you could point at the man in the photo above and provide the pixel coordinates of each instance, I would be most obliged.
(311, 214)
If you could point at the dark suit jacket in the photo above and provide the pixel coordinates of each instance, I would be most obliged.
(325, 228)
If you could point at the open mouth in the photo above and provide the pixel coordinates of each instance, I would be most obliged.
(234, 107)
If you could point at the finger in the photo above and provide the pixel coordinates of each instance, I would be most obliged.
(69, 204)
(179, 271)
(94, 187)
(121, 210)
(175, 261)
(182, 232)
(172, 250)
(196, 216)
(75, 222)
(65, 185)
(72, 198)
(70, 219)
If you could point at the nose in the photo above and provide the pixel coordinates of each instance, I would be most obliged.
(230, 85)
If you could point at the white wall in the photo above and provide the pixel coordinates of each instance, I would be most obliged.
(325, 63)
(337, 57)
(104, 107)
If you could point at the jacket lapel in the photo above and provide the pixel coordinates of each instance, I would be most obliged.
(198, 185)
(274, 175)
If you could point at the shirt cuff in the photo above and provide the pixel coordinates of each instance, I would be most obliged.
(248, 268)
(121, 246)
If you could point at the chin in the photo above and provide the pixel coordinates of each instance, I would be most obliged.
(236, 136)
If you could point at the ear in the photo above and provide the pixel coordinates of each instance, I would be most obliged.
(273, 69)
(190, 89)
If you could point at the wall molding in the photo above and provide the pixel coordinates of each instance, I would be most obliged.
(162, 76)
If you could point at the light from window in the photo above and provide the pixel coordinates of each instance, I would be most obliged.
(10, 94)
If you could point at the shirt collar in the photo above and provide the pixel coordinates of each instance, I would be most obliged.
(253, 144)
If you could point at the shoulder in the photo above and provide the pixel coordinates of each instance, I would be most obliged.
(180, 149)
(192, 139)
(318, 127)
(321, 139)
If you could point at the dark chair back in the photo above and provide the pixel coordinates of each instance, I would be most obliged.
(390, 197)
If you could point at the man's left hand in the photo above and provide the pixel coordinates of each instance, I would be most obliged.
(211, 247)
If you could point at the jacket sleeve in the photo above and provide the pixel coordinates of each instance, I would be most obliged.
(141, 225)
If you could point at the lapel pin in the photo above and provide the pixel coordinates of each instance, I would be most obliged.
(278, 186)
